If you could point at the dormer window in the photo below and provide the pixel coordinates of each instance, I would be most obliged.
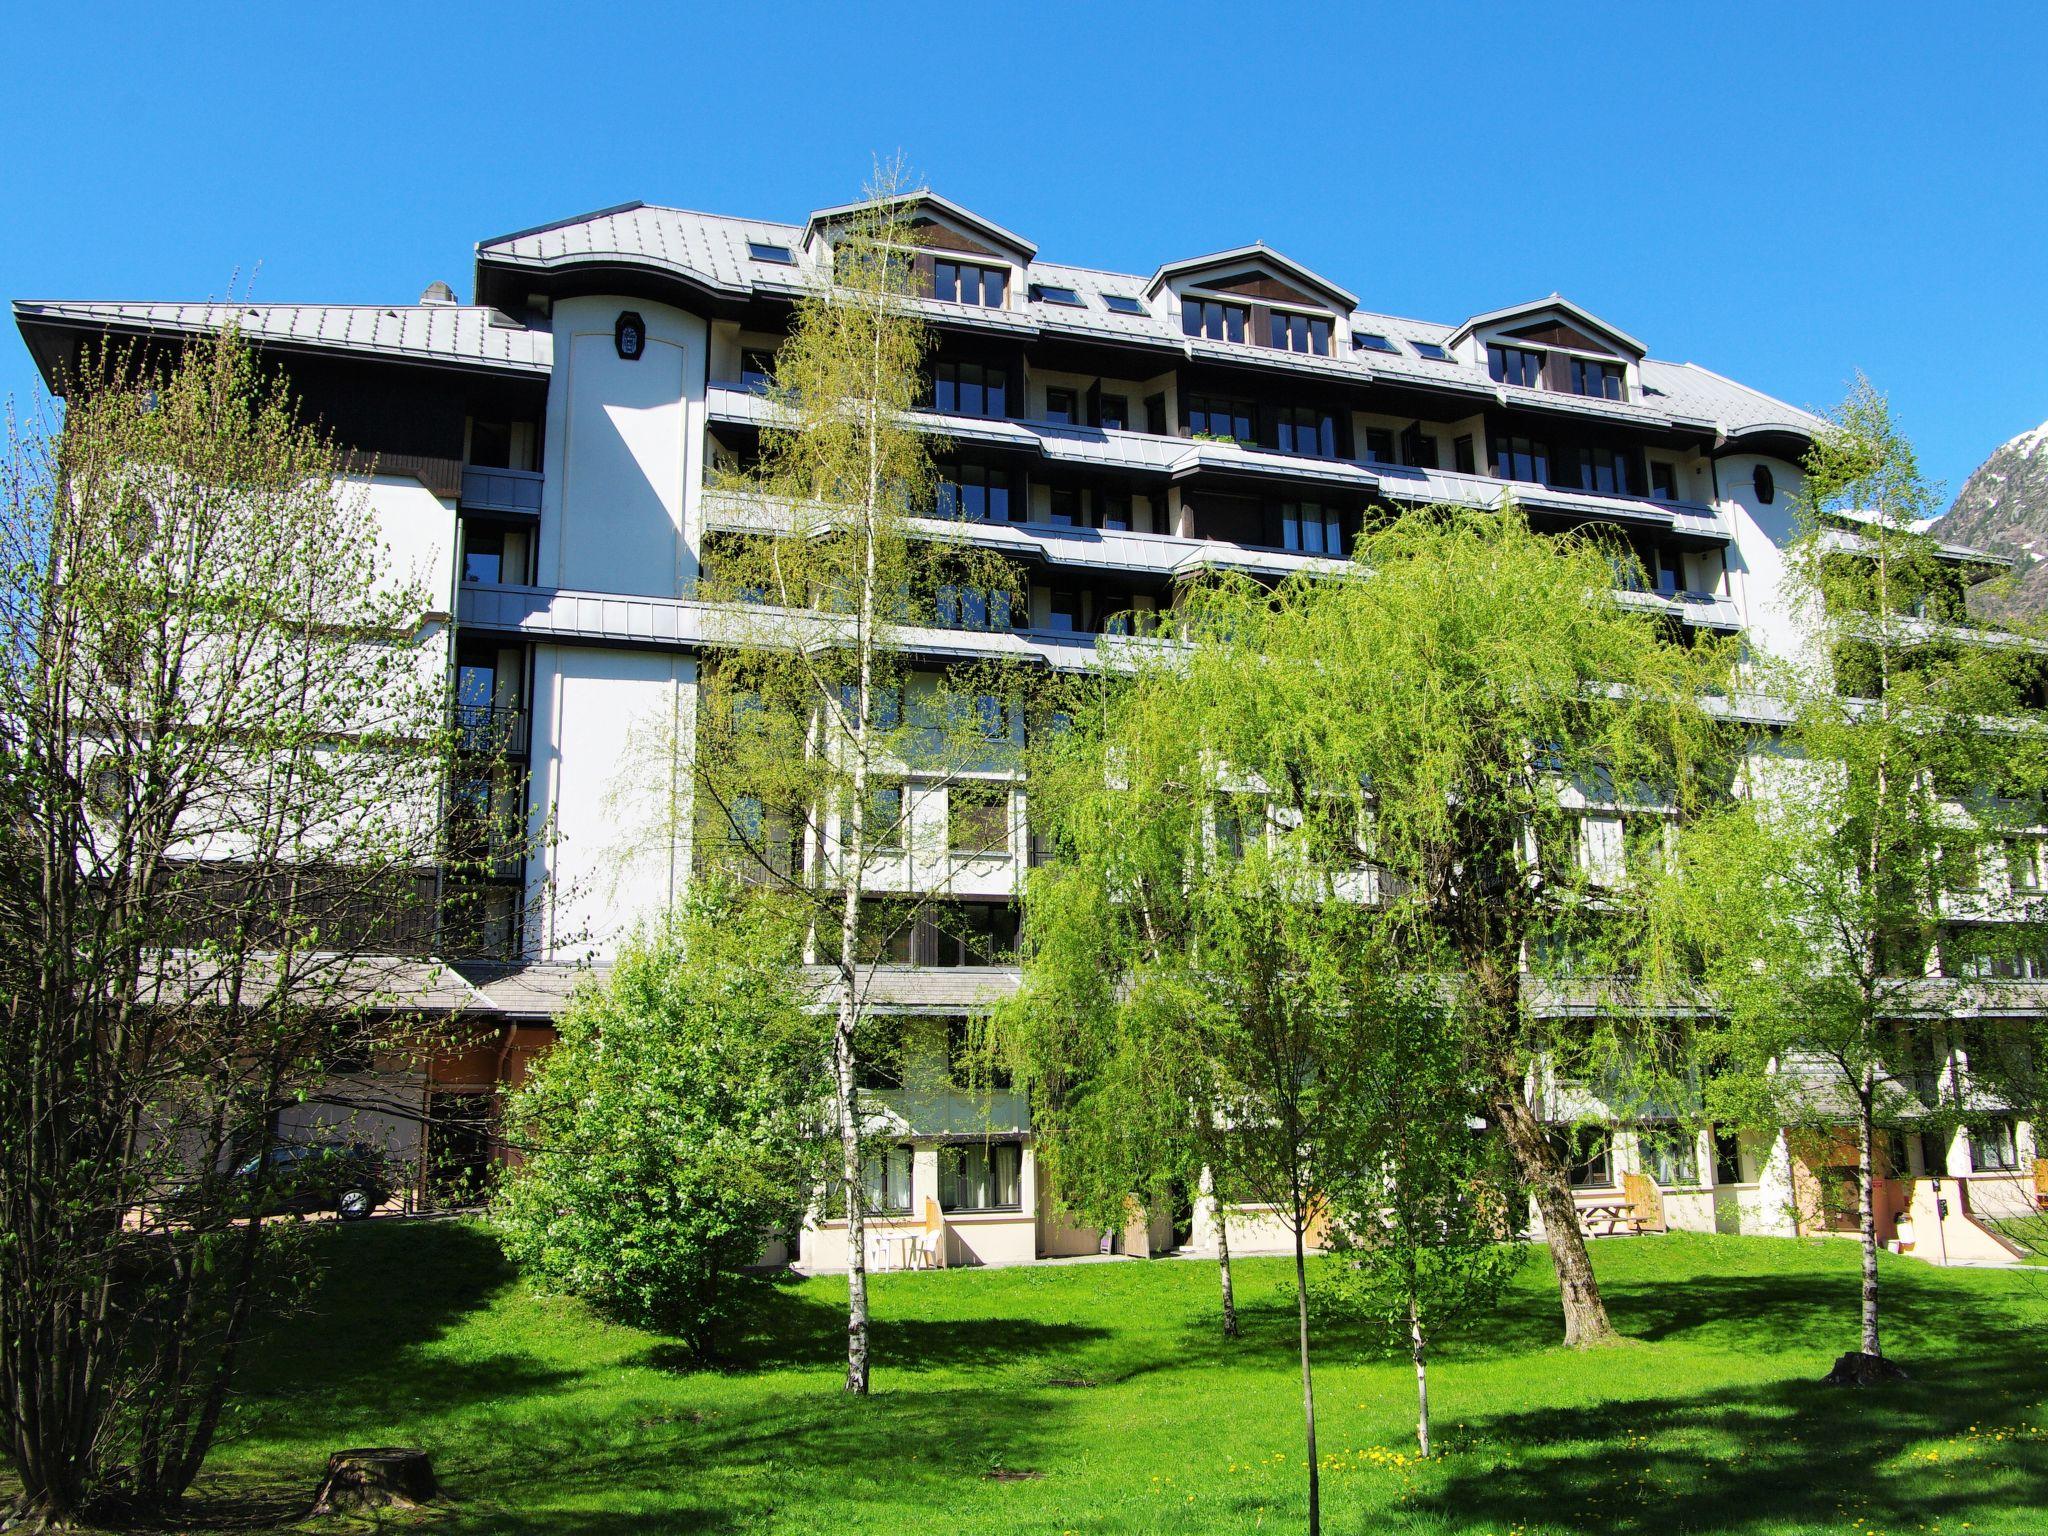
(1516, 366)
(1602, 381)
(960, 282)
(1300, 333)
(1212, 320)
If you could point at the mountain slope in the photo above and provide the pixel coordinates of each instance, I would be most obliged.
(2003, 506)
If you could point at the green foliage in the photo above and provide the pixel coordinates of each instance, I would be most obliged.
(1430, 733)
(669, 1132)
(1427, 1206)
(223, 737)
(1817, 905)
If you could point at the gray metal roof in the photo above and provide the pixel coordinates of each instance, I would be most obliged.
(463, 335)
(711, 250)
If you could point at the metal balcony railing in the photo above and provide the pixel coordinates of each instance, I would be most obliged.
(491, 729)
(515, 492)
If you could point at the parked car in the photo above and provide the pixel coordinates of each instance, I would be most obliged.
(296, 1178)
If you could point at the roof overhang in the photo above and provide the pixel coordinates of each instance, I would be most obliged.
(55, 331)
(1257, 255)
(927, 202)
(1557, 304)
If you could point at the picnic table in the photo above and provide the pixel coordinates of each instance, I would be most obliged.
(1612, 1216)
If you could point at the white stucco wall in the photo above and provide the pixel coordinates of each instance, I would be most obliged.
(624, 452)
(603, 724)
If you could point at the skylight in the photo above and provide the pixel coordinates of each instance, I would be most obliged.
(1041, 294)
(1432, 351)
(1372, 341)
(764, 250)
(1122, 304)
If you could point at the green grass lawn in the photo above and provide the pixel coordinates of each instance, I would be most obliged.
(1111, 1383)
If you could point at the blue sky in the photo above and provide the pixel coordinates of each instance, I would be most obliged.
(1786, 193)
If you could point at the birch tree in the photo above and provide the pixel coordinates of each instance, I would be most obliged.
(223, 736)
(833, 705)
(1873, 817)
(1424, 1212)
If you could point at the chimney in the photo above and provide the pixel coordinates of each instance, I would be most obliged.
(438, 293)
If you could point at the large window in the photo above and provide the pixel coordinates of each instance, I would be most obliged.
(1299, 333)
(1311, 528)
(962, 607)
(494, 554)
(984, 1176)
(885, 1178)
(1521, 458)
(973, 492)
(1603, 381)
(1993, 1148)
(1062, 406)
(1588, 1156)
(1670, 1156)
(1218, 417)
(959, 282)
(1305, 430)
(2025, 864)
(1732, 1161)
(1605, 471)
(970, 389)
(1213, 320)
(1113, 510)
(978, 818)
(1515, 365)
(970, 933)
(882, 825)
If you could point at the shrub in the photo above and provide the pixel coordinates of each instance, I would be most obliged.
(667, 1134)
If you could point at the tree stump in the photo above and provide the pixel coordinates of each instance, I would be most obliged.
(376, 1478)
(1857, 1369)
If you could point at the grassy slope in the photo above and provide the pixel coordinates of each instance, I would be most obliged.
(542, 1420)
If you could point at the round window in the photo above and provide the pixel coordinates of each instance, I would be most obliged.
(1766, 486)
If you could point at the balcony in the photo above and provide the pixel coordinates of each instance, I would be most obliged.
(504, 492)
(491, 730)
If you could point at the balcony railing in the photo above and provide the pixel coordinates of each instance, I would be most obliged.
(491, 729)
(514, 492)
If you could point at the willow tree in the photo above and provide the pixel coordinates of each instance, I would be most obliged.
(223, 737)
(821, 749)
(1875, 813)
(1105, 1034)
(1201, 988)
(1459, 698)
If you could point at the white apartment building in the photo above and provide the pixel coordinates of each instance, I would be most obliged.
(542, 454)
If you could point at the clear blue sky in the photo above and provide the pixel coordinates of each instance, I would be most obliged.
(1784, 192)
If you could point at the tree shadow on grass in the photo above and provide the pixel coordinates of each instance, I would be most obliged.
(778, 1327)
(1782, 1455)
(844, 1463)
